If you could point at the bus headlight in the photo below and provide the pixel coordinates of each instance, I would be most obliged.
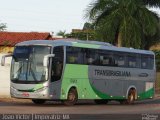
(13, 89)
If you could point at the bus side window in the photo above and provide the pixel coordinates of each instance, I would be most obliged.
(133, 61)
(119, 59)
(71, 57)
(105, 58)
(105, 61)
(75, 55)
(80, 56)
(91, 57)
(151, 63)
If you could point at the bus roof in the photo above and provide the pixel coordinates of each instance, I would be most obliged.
(83, 44)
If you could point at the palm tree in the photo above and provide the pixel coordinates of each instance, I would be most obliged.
(124, 22)
(3, 26)
(62, 33)
(152, 3)
(88, 26)
(152, 40)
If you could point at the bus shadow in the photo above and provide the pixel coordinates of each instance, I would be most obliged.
(79, 103)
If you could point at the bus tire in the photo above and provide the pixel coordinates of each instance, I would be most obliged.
(38, 101)
(131, 96)
(72, 97)
(100, 102)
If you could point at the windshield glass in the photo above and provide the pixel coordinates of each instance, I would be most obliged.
(27, 63)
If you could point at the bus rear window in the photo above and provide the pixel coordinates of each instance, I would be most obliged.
(147, 62)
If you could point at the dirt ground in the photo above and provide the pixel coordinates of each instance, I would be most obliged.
(14, 100)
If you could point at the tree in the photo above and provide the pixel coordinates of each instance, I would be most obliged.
(152, 40)
(152, 3)
(88, 31)
(124, 22)
(82, 34)
(88, 26)
(62, 33)
(3, 26)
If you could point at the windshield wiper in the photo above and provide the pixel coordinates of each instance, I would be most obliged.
(17, 72)
(33, 74)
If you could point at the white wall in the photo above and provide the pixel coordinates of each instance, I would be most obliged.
(5, 77)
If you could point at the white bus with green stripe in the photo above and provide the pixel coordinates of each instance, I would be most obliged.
(71, 70)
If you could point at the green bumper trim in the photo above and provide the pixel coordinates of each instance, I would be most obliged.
(38, 86)
(142, 96)
(147, 94)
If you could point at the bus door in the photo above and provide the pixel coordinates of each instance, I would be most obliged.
(56, 71)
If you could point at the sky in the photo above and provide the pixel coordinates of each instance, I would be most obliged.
(44, 15)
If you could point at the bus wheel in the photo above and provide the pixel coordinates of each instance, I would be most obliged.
(72, 97)
(38, 101)
(100, 102)
(131, 96)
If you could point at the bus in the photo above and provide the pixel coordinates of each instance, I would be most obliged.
(71, 70)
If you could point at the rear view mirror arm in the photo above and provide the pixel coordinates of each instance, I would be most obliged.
(3, 59)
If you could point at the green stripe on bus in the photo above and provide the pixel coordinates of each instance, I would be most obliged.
(78, 78)
(86, 45)
(147, 94)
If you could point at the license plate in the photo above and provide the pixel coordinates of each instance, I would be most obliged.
(25, 94)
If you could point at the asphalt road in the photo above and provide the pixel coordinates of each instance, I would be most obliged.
(82, 107)
(16, 106)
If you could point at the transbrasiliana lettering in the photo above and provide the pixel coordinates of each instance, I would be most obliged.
(112, 73)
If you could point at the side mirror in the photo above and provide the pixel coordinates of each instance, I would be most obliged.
(3, 59)
(45, 60)
(45, 63)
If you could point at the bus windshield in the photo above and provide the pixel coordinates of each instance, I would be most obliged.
(27, 63)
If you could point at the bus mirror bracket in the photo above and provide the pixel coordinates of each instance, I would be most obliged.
(3, 59)
(45, 60)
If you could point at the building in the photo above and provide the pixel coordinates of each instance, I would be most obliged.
(155, 47)
(9, 39)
